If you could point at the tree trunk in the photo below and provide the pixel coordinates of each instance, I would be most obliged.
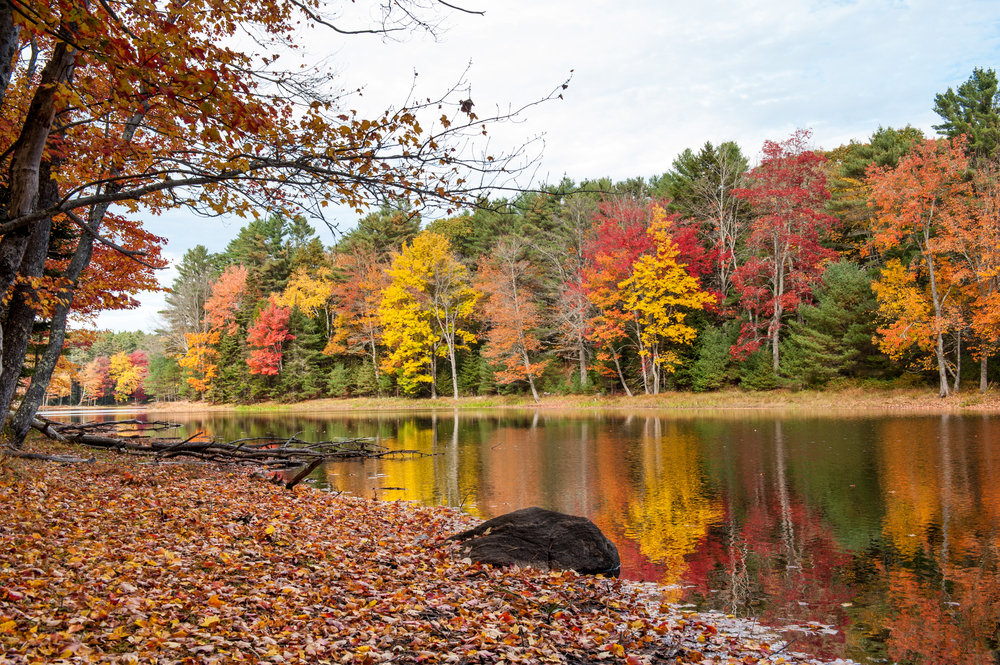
(57, 335)
(8, 45)
(42, 374)
(620, 375)
(25, 164)
(434, 378)
(20, 316)
(454, 368)
(958, 360)
(583, 361)
(527, 371)
(982, 372)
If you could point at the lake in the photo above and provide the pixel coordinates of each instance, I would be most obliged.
(870, 536)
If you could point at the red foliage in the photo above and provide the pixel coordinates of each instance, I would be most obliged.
(268, 333)
(787, 192)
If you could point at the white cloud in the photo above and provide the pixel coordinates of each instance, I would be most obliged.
(653, 78)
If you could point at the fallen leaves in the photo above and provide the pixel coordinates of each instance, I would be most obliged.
(94, 568)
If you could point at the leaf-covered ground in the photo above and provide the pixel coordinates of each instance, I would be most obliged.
(128, 561)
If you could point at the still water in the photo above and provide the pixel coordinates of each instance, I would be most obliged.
(870, 537)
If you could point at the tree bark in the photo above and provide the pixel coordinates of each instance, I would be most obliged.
(983, 384)
(9, 34)
(527, 372)
(42, 374)
(20, 316)
(25, 165)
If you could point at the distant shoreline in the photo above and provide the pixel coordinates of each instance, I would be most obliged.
(847, 399)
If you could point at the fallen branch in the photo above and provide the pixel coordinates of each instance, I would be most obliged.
(62, 459)
(130, 436)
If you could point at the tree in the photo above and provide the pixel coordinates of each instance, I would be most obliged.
(128, 371)
(642, 284)
(310, 294)
(659, 294)
(787, 192)
(149, 105)
(972, 111)
(703, 187)
(426, 305)
(225, 300)
(185, 311)
(95, 379)
(512, 310)
(849, 186)
(835, 335)
(385, 230)
(914, 202)
(361, 278)
(268, 333)
(199, 361)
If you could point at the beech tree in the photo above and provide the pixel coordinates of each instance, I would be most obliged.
(148, 105)
(787, 193)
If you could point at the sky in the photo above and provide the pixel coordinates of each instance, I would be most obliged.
(649, 79)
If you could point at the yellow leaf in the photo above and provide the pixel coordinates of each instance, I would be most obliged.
(215, 601)
(209, 621)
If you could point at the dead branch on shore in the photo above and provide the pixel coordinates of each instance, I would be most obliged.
(272, 453)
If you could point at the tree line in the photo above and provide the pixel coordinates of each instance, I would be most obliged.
(873, 261)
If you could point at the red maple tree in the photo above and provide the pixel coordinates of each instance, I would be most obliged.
(268, 334)
(787, 191)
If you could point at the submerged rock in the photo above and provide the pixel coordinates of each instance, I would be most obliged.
(542, 539)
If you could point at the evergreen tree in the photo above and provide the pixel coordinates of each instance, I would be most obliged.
(972, 110)
(834, 336)
(385, 230)
(185, 310)
(713, 369)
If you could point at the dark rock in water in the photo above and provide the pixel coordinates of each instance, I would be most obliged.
(542, 539)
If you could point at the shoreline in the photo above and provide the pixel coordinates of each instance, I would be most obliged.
(123, 560)
(852, 399)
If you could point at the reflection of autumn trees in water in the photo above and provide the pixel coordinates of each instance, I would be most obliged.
(770, 555)
(942, 510)
(783, 518)
(670, 511)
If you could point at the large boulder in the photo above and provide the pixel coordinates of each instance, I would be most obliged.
(542, 539)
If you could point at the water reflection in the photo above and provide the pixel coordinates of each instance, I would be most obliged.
(867, 537)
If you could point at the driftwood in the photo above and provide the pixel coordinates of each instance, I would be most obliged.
(62, 459)
(131, 436)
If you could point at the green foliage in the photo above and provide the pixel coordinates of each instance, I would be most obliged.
(757, 372)
(164, 380)
(272, 248)
(487, 378)
(834, 337)
(339, 382)
(468, 373)
(365, 384)
(713, 368)
(973, 110)
(385, 230)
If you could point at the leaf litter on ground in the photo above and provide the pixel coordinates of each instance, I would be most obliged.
(124, 561)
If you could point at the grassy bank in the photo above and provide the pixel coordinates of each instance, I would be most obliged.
(847, 398)
(124, 561)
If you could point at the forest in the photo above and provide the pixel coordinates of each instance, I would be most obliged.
(873, 263)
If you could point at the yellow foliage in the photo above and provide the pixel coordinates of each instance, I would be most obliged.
(658, 294)
(308, 294)
(423, 308)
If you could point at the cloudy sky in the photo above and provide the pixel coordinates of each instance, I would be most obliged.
(651, 78)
